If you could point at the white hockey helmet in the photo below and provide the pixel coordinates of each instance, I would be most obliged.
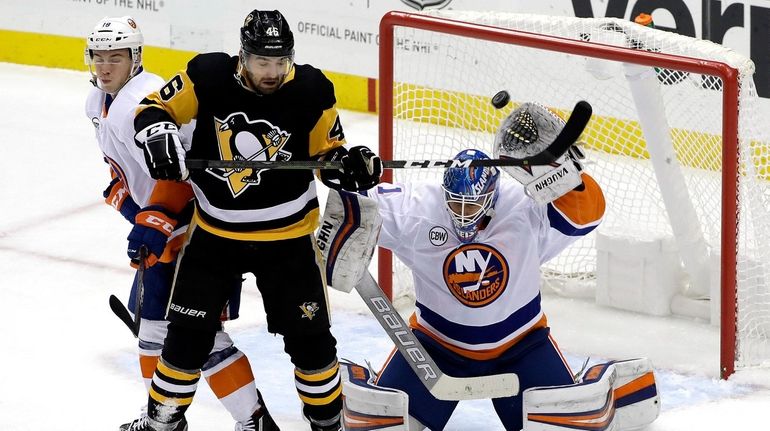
(113, 33)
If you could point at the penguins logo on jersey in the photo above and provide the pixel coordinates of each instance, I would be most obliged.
(309, 309)
(242, 139)
(476, 274)
(95, 121)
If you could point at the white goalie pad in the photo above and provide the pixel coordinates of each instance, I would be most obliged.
(367, 406)
(615, 396)
(347, 237)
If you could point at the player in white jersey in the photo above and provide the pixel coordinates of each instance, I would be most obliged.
(474, 245)
(114, 57)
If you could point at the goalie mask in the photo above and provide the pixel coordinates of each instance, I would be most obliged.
(470, 194)
(112, 34)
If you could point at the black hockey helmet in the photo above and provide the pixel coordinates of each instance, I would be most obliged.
(267, 33)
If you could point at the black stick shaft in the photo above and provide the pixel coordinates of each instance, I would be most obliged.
(576, 123)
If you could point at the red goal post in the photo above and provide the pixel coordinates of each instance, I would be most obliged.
(730, 93)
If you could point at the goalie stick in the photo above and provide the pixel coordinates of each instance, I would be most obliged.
(572, 130)
(440, 385)
(121, 311)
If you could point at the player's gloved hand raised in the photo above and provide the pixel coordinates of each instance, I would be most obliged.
(361, 169)
(152, 228)
(117, 196)
(163, 151)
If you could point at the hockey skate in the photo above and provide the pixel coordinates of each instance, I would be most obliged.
(143, 424)
(336, 426)
(260, 420)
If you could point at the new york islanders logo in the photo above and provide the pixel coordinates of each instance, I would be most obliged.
(476, 274)
(242, 139)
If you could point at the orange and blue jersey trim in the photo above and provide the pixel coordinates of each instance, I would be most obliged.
(578, 212)
(523, 320)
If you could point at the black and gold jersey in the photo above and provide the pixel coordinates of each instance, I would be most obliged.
(297, 122)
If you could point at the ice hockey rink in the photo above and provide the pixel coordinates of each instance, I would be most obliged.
(69, 364)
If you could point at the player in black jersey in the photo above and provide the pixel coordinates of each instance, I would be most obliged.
(258, 105)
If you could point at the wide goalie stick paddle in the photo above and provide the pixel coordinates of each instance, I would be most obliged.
(572, 130)
(440, 385)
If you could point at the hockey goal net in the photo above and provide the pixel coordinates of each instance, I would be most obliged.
(675, 142)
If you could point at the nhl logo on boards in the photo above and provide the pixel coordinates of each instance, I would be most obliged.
(426, 4)
(438, 236)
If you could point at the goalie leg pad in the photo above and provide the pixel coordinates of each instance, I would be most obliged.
(347, 237)
(612, 396)
(368, 406)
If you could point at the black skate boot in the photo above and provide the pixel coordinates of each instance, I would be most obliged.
(143, 424)
(260, 420)
(334, 425)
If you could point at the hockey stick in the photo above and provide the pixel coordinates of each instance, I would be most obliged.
(440, 385)
(121, 311)
(572, 130)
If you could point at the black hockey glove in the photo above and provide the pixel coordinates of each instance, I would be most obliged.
(361, 169)
(163, 151)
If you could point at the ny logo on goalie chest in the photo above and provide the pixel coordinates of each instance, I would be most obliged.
(476, 274)
(404, 336)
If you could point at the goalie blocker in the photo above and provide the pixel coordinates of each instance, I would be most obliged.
(347, 238)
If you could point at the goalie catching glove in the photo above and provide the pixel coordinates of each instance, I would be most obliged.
(153, 226)
(163, 151)
(361, 169)
(347, 237)
(528, 131)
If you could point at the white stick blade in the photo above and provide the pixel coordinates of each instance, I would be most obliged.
(474, 388)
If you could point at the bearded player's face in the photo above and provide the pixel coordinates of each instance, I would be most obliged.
(266, 74)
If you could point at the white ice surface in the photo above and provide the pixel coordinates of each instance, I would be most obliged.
(66, 363)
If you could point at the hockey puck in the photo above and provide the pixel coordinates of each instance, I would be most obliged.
(501, 99)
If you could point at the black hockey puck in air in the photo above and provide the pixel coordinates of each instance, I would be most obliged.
(501, 99)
